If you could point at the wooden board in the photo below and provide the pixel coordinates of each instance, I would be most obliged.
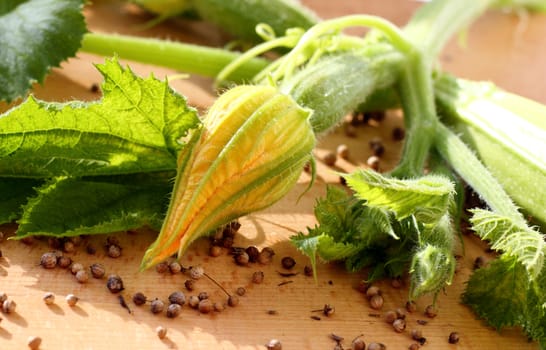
(271, 309)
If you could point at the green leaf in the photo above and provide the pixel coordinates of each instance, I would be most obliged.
(428, 197)
(138, 126)
(36, 35)
(67, 206)
(497, 293)
(520, 242)
(14, 195)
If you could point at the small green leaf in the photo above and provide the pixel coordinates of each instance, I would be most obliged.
(36, 35)
(428, 197)
(137, 126)
(520, 242)
(15, 192)
(68, 207)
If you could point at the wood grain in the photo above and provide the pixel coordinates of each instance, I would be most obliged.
(268, 310)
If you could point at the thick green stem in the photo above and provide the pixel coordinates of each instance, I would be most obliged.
(189, 58)
(416, 95)
(469, 167)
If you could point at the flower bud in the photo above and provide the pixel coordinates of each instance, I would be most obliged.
(250, 152)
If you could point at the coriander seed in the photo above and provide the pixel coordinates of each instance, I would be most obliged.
(233, 300)
(68, 247)
(453, 338)
(82, 276)
(205, 306)
(358, 344)
(411, 306)
(157, 306)
(64, 262)
(258, 277)
(9, 306)
(34, 342)
(193, 301)
(376, 302)
(162, 267)
(175, 267)
(430, 311)
(48, 260)
(196, 272)
(242, 258)
(97, 270)
(49, 298)
(177, 297)
(308, 271)
(173, 310)
(414, 346)
(274, 344)
(253, 253)
(288, 262)
(343, 151)
(114, 283)
(372, 291)
(399, 325)
(215, 251)
(240, 291)
(329, 158)
(161, 332)
(139, 298)
(75, 267)
(114, 251)
(71, 299)
(190, 285)
(3, 297)
(377, 346)
(373, 163)
(203, 295)
(218, 306)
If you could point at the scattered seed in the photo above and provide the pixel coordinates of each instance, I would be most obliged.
(376, 346)
(390, 316)
(430, 311)
(376, 145)
(9, 306)
(173, 310)
(48, 260)
(203, 295)
(399, 325)
(82, 276)
(227, 242)
(242, 258)
(272, 312)
(97, 270)
(75, 267)
(177, 297)
(114, 251)
(350, 130)
(315, 317)
(240, 291)
(411, 306)
(233, 300)
(329, 158)
(157, 306)
(3, 297)
(398, 133)
(29, 240)
(123, 303)
(94, 88)
(288, 262)
(274, 344)
(90, 249)
(373, 163)
(287, 274)
(358, 344)
(215, 251)
(64, 262)
(414, 346)
(68, 247)
(218, 306)
(139, 298)
(422, 322)
(34, 342)
(372, 291)
(71, 299)
(196, 272)
(193, 301)
(308, 271)
(336, 337)
(328, 310)
(258, 277)
(342, 151)
(397, 282)
(400, 314)
(374, 315)
(114, 283)
(453, 338)
(161, 332)
(49, 298)
(417, 334)
(175, 267)
(190, 285)
(205, 306)
(376, 302)
(253, 253)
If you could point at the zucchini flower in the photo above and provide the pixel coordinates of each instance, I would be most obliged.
(250, 152)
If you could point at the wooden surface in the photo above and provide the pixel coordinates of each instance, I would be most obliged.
(500, 48)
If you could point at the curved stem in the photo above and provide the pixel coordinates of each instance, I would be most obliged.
(190, 58)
